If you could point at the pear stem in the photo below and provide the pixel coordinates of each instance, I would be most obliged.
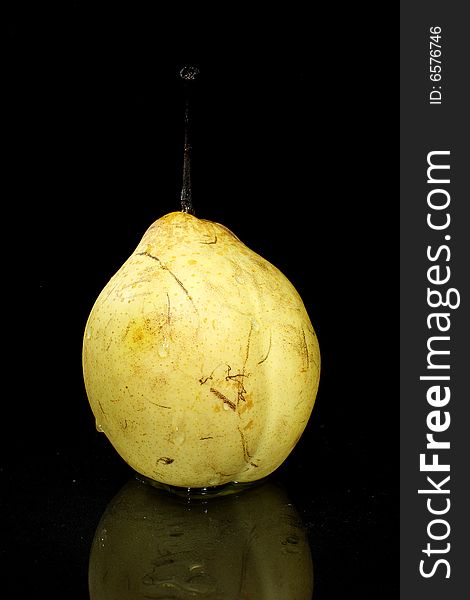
(188, 74)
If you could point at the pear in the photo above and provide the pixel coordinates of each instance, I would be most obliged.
(200, 362)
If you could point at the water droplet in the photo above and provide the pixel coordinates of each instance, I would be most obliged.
(255, 324)
(103, 537)
(88, 334)
(179, 438)
(291, 539)
(239, 279)
(99, 427)
(163, 348)
(189, 72)
(226, 406)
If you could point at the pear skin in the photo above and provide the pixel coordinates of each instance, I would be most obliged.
(200, 362)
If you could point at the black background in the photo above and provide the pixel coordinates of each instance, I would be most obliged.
(293, 134)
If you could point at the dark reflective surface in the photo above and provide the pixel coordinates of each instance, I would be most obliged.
(152, 544)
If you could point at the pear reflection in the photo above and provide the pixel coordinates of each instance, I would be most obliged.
(152, 545)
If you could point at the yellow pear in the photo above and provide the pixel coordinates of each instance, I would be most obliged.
(200, 362)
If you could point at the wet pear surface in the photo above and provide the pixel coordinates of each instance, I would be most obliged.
(200, 362)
